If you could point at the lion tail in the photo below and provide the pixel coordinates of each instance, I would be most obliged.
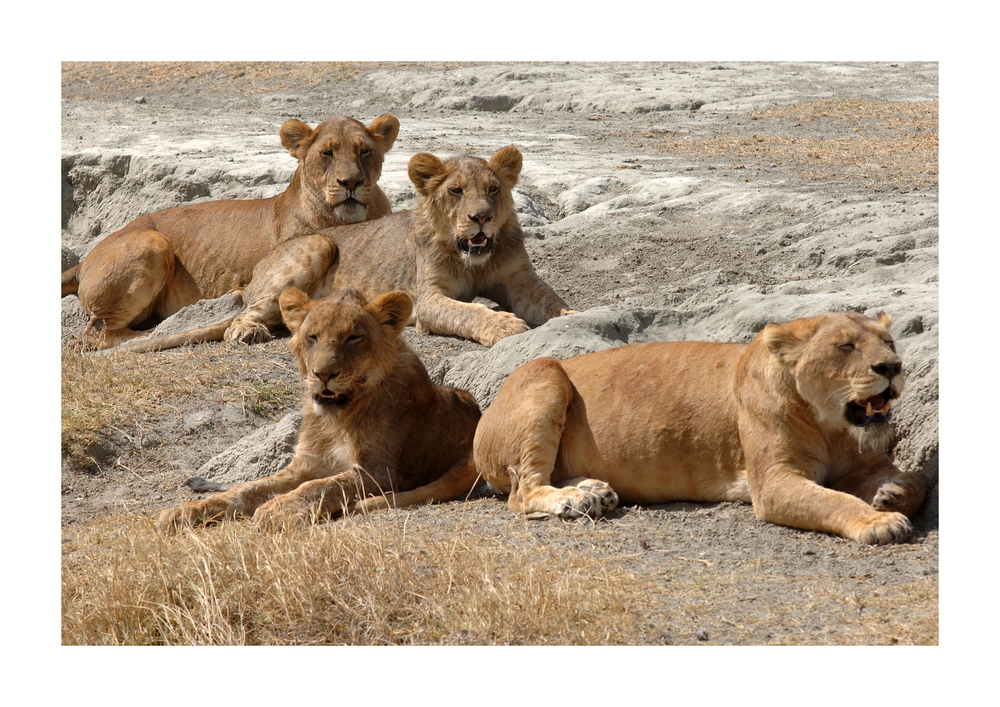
(71, 280)
(460, 480)
(212, 332)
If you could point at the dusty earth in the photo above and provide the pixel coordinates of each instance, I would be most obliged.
(665, 201)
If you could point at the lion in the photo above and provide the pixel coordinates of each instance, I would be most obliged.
(376, 432)
(797, 423)
(163, 261)
(462, 242)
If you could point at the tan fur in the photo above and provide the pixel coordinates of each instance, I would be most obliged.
(375, 431)
(166, 260)
(419, 252)
(764, 423)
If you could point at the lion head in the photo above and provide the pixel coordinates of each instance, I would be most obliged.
(341, 160)
(845, 367)
(344, 345)
(468, 199)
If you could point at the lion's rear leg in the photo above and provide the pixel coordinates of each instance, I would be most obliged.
(122, 283)
(302, 262)
(517, 443)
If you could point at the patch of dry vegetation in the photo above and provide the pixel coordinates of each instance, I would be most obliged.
(87, 79)
(349, 582)
(875, 142)
(100, 392)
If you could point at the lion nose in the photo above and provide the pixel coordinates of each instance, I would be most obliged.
(349, 184)
(325, 377)
(480, 218)
(889, 369)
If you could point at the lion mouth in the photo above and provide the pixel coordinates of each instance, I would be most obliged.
(479, 244)
(328, 397)
(869, 411)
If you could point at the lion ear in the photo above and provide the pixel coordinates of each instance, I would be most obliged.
(423, 168)
(294, 304)
(393, 310)
(786, 341)
(384, 130)
(506, 165)
(296, 137)
(884, 320)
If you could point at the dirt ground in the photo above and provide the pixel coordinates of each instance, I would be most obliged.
(734, 193)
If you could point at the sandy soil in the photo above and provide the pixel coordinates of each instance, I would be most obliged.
(718, 196)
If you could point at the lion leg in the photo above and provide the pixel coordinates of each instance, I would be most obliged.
(122, 281)
(439, 314)
(320, 499)
(300, 262)
(517, 442)
(531, 299)
(241, 500)
(787, 498)
(886, 489)
(459, 480)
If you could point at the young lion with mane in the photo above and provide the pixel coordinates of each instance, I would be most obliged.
(373, 422)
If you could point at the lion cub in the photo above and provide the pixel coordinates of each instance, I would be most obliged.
(796, 423)
(373, 422)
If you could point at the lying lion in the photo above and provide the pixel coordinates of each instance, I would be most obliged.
(796, 422)
(373, 422)
(462, 242)
(161, 262)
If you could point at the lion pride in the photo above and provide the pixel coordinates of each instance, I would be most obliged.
(796, 423)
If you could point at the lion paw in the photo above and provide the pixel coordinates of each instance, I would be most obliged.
(887, 528)
(890, 497)
(247, 332)
(283, 514)
(590, 498)
(509, 325)
(188, 515)
(567, 312)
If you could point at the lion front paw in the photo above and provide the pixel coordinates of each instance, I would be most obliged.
(508, 325)
(567, 312)
(886, 528)
(189, 515)
(283, 513)
(247, 331)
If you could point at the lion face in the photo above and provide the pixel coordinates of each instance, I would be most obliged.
(341, 160)
(344, 345)
(845, 367)
(468, 198)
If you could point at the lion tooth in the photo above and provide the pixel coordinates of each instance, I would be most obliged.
(868, 409)
(886, 408)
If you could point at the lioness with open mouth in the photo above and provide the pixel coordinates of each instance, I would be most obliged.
(796, 423)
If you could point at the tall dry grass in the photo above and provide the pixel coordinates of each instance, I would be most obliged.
(349, 582)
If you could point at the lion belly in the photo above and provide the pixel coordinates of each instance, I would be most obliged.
(656, 421)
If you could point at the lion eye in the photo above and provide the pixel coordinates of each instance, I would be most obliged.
(892, 345)
(312, 338)
(846, 348)
(365, 152)
(327, 153)
(457, 191)
(494, 189)
(355, 339)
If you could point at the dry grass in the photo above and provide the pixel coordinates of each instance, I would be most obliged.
(349, 582)
(874, 142)
(101, 392)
